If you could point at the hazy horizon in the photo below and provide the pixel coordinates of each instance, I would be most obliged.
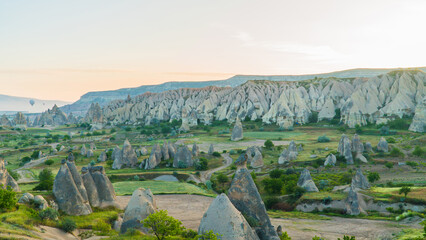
(61, 50)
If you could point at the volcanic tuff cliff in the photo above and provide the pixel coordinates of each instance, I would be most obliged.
(285, 103)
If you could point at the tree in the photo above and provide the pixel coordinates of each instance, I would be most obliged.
(272, 185)
(7, 198)
(210, 235)
(404, 190)
(46, 180)
(276, 173)
(162, 225)
(269, 144)
(201, 165)
(68, 225)
(313, 118)
(373, 176)
(222, 178)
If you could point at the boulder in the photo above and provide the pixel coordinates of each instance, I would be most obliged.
(368, 147)
(306, 182)
(224, 219)
(255, 158)
(83, 150)
(151, 162)
(172, 150)
(245, 197)
(284, 157)
(144, 151)
(330, 160)
(91, 189)
(6, 180)
(117, 156)
(89, 153)
(68, 195)
(292, 146)
(165, 151)
(352, 203)
(129, 156)
(102, 157)
(382, 146)
(237, 131)
(345, 149)
(360, 181)
(105, 190)
(195, 150)
(26, 198)
(41, 202)
(211, 149)
(183, 155)
(140, 206)
(156, 149)
(419, 119)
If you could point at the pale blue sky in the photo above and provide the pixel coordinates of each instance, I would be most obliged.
(62, 49)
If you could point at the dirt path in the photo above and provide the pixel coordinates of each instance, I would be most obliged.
(26, 175)
(220, 146)
(206, 175)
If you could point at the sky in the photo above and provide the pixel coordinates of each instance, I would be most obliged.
(58, 49)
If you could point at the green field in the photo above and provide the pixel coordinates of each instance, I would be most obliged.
(160, 187)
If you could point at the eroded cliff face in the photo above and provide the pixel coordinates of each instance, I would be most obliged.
(360, 100)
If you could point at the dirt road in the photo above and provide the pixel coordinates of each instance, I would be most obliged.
(206, 175)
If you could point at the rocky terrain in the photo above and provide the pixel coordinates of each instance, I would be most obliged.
(360, 101)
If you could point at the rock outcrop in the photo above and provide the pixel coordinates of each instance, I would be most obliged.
(6, 180)
(51, 117)
(97, 184)
(140, 206)
(68, 195)
(102, 157)
(255, 158)
(224, 219)
(305, 181)
(4, 121)
(211, 149)
(358, 148)
(125, 158)
(83, 150)
(352, 203)
(237, 131)
(94, 114)
(183, 157)
(20, 120)
(330, 160)
(195, 150)
(345, 149)
(245, 197)
(382, 146)
(153, 160)
(359, 100)
(360, 181)
(26, 198)
(368, 147)
(419, 120)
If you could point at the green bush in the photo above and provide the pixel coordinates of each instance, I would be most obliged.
(419, 152)
(389, 165)
(412, 164)
(7, 198)
(390, 140)
(68, 225)
(14, 174)
(49, 213)
(313, 118)
(373, 176)
(49, 162)
(276, 173)
(216, 154)
(269, 144)
(323, 138)
(45, 180)
(102, 227)
(395, 152)
(163, 225)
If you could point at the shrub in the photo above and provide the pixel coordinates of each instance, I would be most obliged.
(419, 152)
(285, 236)
(222, 178)
(251, 220)
(389, 165)
(323, 138)
(162, 225)
(45, 180)
(7, 198)
(276, 173)
(373, 176)
(272, 185)
(412, 164)
(210, 235)
(327, 200)
(68, 225)
(323, 184)
(49, 162)
(49, 213)
(313, 118)
(182, 165)
(216, 154)
(269, 144)
(405, 191)
(384, 130)
(102, 227)
(14, 174)
(271, 201)
(399, 123)
(358, 129)
(201, 165)
(390, 140)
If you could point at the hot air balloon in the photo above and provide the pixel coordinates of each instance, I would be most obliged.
(32, 102)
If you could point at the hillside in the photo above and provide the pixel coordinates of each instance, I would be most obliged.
(11, 104)
(81, 106)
